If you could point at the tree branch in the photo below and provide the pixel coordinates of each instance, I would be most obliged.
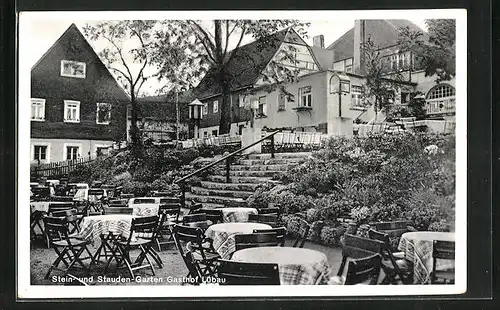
(121, 56)
(237, 45)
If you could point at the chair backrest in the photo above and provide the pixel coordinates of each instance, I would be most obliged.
(238, 273)
(298, 228)
(185, 234)
(41, 192)
(169, 211)
(280, 233)
(62, 198)
(96, 192)
(356, 242)
(364, 270)
(192, 266)
(118, 202)
(213, 215)
(197, 217)
(146, 227)
(194, 207)
(126, 195)
(443, 249)
(269, 219)
(270, 210)
(55, 207)
(56, 228)
(170, 200)
(382, 237)
(393, 229)
(244, 241)
(136, 201)
(69, 214)
(118, 210)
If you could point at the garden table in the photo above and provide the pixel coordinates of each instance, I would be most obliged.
(43, 206)
(235, 214)
(417, 247)
(145, 209)
(223, 235)
(297, 266)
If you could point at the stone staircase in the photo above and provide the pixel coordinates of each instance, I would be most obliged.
(246, 174)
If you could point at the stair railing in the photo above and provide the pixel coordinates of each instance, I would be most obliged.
(228, 158)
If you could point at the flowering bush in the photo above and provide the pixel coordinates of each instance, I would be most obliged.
(360, 214)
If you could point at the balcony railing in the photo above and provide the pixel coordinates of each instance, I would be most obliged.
(440, 106)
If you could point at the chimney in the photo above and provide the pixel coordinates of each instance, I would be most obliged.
(359, 37)
(319, 41)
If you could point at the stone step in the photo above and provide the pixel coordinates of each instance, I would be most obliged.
(221, 200)
(280, 155)
(259, 167)
(218, 192)
(270, 161)
(230, 186)
(239, 179)
(244, 173)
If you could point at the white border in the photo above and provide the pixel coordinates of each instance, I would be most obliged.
(25, 290)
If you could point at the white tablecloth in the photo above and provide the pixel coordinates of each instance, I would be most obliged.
(297, 266)
(93, 227)
(223, 235)
(145, 209)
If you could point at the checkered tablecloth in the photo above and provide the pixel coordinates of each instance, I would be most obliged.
(145, 209)
(43, 206)
(93, 227)
(417, 247)
(223, 235)
(297, 266)
(237, 214)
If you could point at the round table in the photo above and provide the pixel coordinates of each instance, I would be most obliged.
(145, 209)
(93, 227)
(417, 247)
(223, 235)
(237, 214)
(297, 266)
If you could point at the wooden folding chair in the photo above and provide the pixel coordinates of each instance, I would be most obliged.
(442, 250)
(394, 265)
(270, 210)
(68, 249)
(215, 216)
(196, 220)
(204, 254)
(169, 215)
(298, 229)
(269, 219)
(245, 241)
(239, 273)
(364, 270)
(142, 235)
(279, 231)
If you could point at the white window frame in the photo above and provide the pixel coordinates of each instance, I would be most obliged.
(357, 95)
(97, 114)
(216, 106)
(42, 104)
(47, 154)
(302, 96)
(205, 108)
(66, 103)
(262, 104)
(65, 150)
(81, 76)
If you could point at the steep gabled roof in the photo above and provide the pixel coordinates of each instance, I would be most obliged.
(73, 33)
(246, 65)
(324, 57)
(163, 107)
(383, 32)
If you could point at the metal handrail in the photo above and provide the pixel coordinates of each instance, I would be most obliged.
(230, 155)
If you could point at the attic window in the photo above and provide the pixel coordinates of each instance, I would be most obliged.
(70, 68)
(103, 115)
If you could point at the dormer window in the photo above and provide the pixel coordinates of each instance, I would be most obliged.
(70, 68)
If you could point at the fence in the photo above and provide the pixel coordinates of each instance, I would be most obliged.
(296, 141)
(61, 167)
(437, 126)
(230, 140)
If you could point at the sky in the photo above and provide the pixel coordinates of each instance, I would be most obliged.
(42, 30)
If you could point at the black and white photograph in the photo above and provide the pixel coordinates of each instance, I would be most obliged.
(275, 153)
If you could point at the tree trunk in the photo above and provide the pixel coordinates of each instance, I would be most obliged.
(225, 109)
(134, 130)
